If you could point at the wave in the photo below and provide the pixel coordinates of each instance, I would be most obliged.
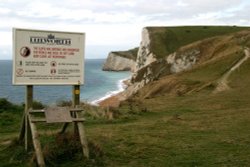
(121, 87)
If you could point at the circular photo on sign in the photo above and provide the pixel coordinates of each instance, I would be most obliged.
(53, 64)
(25, 51)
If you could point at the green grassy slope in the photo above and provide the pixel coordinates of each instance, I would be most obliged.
(196, 129)
(130, 54)
(166, 40)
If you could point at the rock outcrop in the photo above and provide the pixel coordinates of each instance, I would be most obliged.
(115, 62)
(121, 61)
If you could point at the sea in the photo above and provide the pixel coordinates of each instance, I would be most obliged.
(98, 85)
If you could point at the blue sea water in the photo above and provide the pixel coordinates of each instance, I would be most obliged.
(98, 85)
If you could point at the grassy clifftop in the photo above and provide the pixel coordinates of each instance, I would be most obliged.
(130, 54)
(166, 40)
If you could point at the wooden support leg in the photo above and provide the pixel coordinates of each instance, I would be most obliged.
(78, 126)
(75, 103)
(26, 132)
(28, 106)
(83, 138)
(75, 125)
(37, 145)
(65, 125)
(22, 131)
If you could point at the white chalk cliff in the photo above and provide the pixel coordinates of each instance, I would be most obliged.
(145, 56)
(115, 62)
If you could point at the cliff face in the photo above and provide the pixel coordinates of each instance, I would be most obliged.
(115, 62)
(145, 56)
(121, 61)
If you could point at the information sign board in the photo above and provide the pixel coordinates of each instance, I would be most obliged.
(43, 57)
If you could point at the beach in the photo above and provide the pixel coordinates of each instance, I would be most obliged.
(114, 98)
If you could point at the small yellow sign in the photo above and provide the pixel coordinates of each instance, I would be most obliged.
(77, 92)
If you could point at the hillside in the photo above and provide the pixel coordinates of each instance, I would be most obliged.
(205, 47)
(216, 54)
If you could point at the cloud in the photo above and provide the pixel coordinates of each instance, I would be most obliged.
(128, 3)
(4, 11)
(114, 11)
(116, 22)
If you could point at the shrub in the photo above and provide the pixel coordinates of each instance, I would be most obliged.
(5, 105)
(64, 103)
(37, 105)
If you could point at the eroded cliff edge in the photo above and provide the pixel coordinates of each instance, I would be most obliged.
(121, 61)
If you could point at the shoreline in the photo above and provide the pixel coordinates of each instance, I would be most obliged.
(112, 98)
(113, 101)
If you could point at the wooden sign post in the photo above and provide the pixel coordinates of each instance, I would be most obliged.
(28, 105)
(42, 57)
(78, 126)
(25, 134)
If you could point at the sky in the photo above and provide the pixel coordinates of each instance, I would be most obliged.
(114, 24)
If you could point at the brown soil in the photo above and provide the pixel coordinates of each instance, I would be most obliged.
(113, 101)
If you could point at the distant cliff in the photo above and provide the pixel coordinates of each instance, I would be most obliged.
(121, 61)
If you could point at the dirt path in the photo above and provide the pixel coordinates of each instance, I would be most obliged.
(222, 83)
